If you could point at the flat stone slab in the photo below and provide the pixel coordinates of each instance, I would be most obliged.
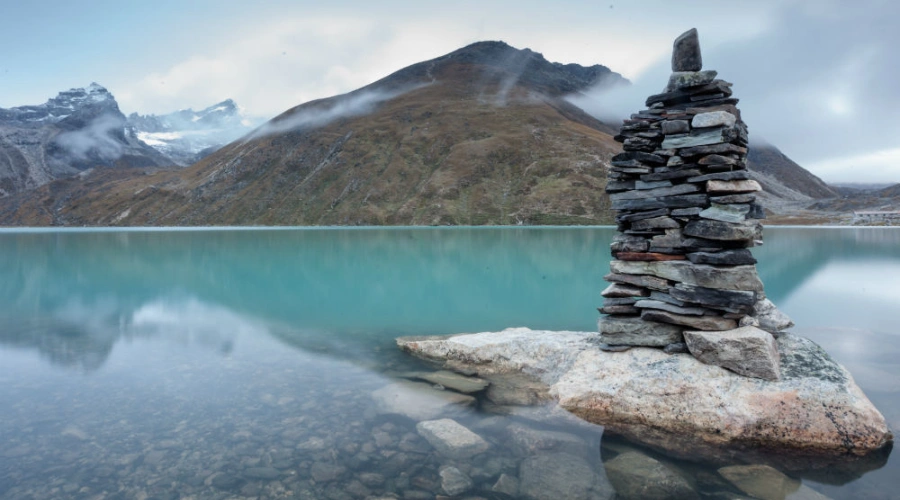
(419, 401)
(815, 407)
(451, 380)
(451, 439)
(634, 331)
(720, 278)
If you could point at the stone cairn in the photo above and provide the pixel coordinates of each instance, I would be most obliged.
(682, 277)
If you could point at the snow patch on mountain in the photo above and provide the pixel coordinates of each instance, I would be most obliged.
(187, 135)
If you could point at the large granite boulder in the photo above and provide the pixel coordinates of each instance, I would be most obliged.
(815, 406)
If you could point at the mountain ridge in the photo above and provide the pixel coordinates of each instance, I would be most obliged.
(481, 135)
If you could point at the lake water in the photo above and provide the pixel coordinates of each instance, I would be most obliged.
(162, 364)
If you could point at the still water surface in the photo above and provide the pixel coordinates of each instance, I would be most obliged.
(241, 363)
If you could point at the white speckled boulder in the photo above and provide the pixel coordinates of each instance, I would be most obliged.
(816, 406)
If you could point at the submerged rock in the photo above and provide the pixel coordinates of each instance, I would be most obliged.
(451, 439)
(560, 476)
(815, 406)
(419, 401)
(637, 476)
(760, 481)
(452, 380)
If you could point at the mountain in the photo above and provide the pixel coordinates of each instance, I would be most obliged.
(782, 178)
(75, 131)
(483, 135)
(186, 136)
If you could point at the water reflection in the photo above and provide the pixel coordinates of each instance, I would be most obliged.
(190, 390)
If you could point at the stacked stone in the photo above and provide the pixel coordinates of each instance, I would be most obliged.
(687, 214)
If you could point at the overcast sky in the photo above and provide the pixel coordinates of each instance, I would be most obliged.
(817, 78)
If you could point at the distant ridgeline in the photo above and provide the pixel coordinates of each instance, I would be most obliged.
(687, 214)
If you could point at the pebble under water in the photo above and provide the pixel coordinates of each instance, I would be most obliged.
(247, 364)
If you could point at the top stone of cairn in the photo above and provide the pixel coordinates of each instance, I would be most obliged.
(686, 52)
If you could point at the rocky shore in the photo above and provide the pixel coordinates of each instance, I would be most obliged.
(654, 396)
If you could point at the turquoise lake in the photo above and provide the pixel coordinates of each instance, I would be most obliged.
(240, 363)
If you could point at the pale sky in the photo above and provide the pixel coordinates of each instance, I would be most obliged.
(817, 78)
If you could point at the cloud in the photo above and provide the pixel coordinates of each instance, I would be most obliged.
(95, 139)
(317, 115)
(819, 83)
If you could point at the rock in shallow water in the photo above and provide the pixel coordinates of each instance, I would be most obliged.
(760, 481)
(452, 439)
(560, 476)
(419, 401)
(679, 394)
(637, 476)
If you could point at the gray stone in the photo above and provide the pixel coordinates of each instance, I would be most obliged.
(618, 309)
(675, 161)
(683, 79)
(560, 476)
(744, 186)
(733, 198)
(651, 282)
(652, 185)
(620, 301)
(721, 176)
(454, 482)
(695, 138)
(676, 348)
(770, 318)
(726, 213)
(738, 301)
(747, 351)
(739, 257)
(655, 223)
(629, 243)
(714, 119)
(675, 127)
(648, 214)
(665, 297)
(760, 481)
(726, 278)
(711, 149)
(699, 322)
(640, 156)
(451, 380)
(686, 52)
(665, 306)
(655, 193)
(624, 290)
(419, 401)
(686, 212)
(724, 231)
(690, 200)
(635, 331)
(617, 186)
(507, 485)
(613, 348)
(635, 475)
(452, 439)
(527, 441)
(670, 174)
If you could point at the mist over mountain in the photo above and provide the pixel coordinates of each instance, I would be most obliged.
(487, 134)
(186, 135)
(77, 130)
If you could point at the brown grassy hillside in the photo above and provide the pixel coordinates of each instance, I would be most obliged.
(471, 143)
